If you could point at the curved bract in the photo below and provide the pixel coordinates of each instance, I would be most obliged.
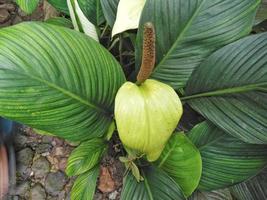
(146, 116)
(57, 80)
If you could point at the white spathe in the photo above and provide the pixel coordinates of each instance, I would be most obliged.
(128, 15)
(88, 28)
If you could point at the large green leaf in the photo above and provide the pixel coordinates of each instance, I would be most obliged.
(157, 185)
(188, 31)
(182, 161)
(57, 80)
(255, 188)
(28, 6)
(85, 185)
(229, 89)
(85, 156)
(223, 194)
(60, 5)
(110, 10)
(225, 159)
(92, 10)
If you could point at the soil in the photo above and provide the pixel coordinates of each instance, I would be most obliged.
(41, 160)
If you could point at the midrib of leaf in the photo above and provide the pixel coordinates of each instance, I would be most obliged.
(181, 35)
(209, 143)
(168, 154)
(148, 188)
(67, 93)
(233, 90)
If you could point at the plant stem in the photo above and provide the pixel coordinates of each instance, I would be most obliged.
(241, 89)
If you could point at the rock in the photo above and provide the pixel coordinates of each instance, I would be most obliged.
(4, 15)
(62, 164)
(25, 156)
(47, 139)
(55, 183)
(22, 189)
(40, 167)
(106, 183)
(8, 6)
(37, 193)
(59, 151)
(20, 140)
(43, 148)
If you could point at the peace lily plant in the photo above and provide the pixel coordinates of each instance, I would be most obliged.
(194, 58)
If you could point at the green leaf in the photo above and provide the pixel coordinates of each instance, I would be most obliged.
(189, 31)
(252, 189)
(28, 6)
(225, 159)
(182, 161)
(92, 10)
(85, 156)
(213, 195)
(229, 89)
(57, 80)
(85, 185)
(110, 10)
(60, 21)
(60, 5)
(261, 13)
(157, 185)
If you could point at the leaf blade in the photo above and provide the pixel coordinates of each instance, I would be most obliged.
(202, 27)
(182, 161)
(226, 160)
(231, 89)
(56, 86)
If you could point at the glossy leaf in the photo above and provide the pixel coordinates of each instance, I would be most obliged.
(28, 6)
(254, 188)
(85, 156)
(128, 15)
(182, 161)
(110, 10)
(157, 185)
(57, 80)
(225, 159)
(60, 5)
(92, 10)
(229, 89)
(223, 194)
(60, 21)
(85, 185)
(189, 31)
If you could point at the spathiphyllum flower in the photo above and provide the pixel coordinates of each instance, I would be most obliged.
(146, 116)
(147, 113)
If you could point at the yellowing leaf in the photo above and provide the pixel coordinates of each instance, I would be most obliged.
(128, 15)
